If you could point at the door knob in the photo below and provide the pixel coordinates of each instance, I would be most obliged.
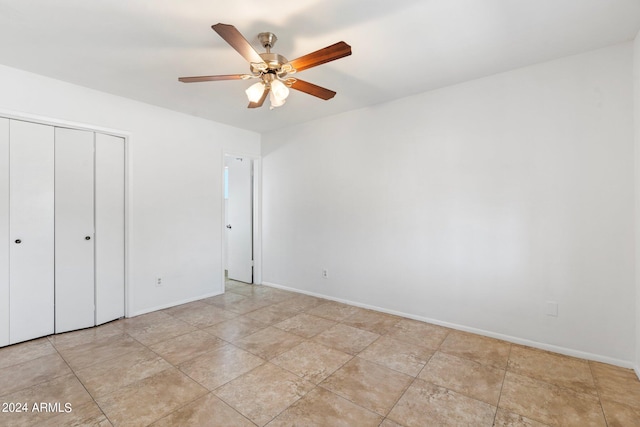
(87, 238)
(229, 226)
(18, 241)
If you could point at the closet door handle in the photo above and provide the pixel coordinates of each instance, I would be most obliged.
(87, 238)
(18, 241)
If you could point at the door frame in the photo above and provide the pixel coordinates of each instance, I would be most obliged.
(256, 214)
(128, 197)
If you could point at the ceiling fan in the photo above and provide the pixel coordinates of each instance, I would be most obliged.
(272, 69)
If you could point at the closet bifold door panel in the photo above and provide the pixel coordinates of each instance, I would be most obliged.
(4, 232)
(31, 225)
(109, 203)
(74, 230)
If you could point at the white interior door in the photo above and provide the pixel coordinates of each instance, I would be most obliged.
(4, 232)
(31, 264)
(74, 238)
(109, 207)
(239, 220)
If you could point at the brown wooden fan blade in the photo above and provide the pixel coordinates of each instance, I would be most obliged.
(211, 78)
(260, 101)
(232, 36)
(329, 53)
(312, 89)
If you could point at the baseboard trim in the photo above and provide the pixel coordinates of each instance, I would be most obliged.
(508, 338)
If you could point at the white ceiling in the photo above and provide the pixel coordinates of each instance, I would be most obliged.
(139, 48)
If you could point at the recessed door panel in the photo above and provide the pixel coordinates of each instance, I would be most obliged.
(31, 211)
(4, 232)
(74, 238)
(109, 207)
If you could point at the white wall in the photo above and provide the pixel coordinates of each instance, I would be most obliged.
(175, 182)
(471, 206)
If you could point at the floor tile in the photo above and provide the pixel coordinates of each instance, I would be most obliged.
(334, 311)
(205, 315)
(206, 411)
(62, 390)
(548, 403)
(390, 423)
(372, 321)
(226, 300)
(620, 415)
(177, 310)
(146, 401)
(300, 302)
(89, 335)
(88, 414)
(442, 407)
(99, 351)
(251, 290)
(487, 351)
(188, 346)
(398, 355)
(617, 384)
(113, 374)
(247, 305)
(305, 325)
(146, 320)
(235, 328)
(220, 366)
(346, 338)
(553, 368)
(17, 377)
(269, 342)
(367, 384)
(420, 333)
(464, 376)
(263, 393)
(312, 361)
(509, 419)
(24, 352)
(272, 314)
(322, 408)
(161, 331)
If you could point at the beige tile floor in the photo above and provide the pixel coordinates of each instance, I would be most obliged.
(262, 356)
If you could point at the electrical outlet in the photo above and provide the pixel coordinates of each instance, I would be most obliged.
(325, 273)
(159, 282)
(551, 308)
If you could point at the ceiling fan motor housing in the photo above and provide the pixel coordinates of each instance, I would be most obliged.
(274, 63)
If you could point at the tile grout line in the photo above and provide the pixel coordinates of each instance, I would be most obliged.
(593, 377)
(504, 378)
(93, 399)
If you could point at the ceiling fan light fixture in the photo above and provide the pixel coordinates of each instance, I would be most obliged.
(280, 90)
(255, 91)
(275, 101)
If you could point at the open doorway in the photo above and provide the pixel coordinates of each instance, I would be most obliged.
(238, 219)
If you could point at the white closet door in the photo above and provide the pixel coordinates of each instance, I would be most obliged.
(31, 202)
(74, 238)
(109, 228)
(4, 232)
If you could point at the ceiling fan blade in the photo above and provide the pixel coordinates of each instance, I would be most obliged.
(329, 53)
(232, 36)
(312, 89)
(211, 78)
(260, 101)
